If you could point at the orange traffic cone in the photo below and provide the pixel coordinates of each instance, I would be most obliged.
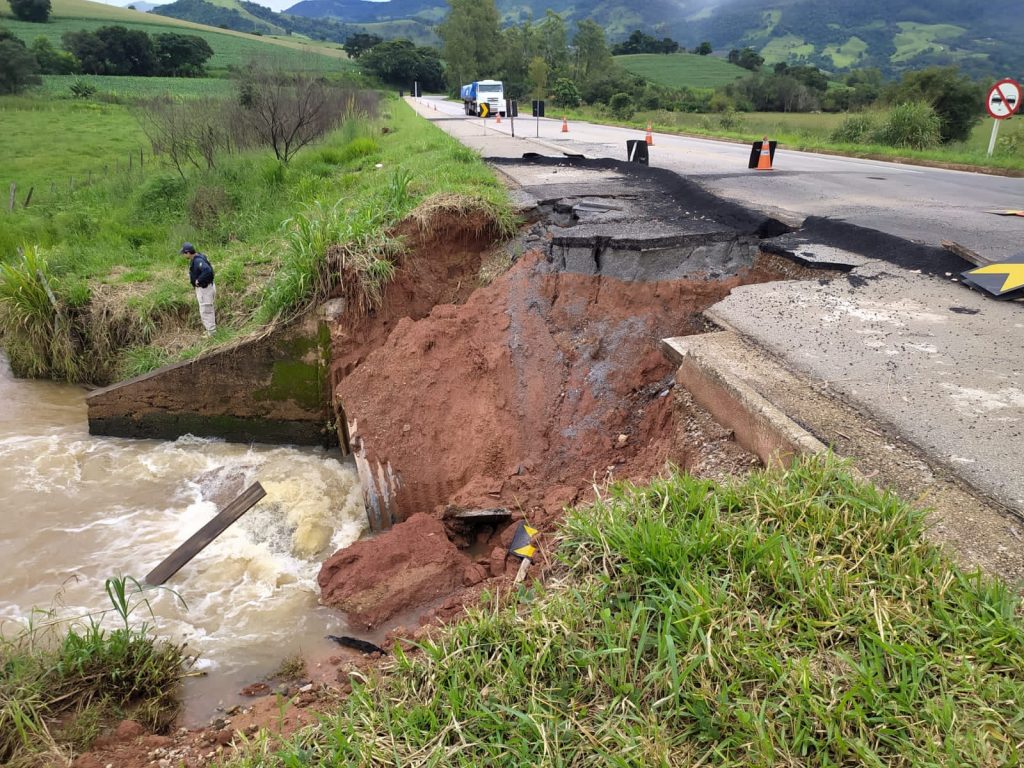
(497, 118)
(649, 138)
(764, 161)
(565, 125)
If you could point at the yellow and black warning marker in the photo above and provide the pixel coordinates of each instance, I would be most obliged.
(484, 110)
(1003, 279)
(522, 541)
(1007, 212)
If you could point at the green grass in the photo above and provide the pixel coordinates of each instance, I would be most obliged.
(793, 618)
(914, 39)
(231, 49)
(677, 70)
(50, 141)
(785, 47)
(112, 248)
(126, 89)
(846, 55)
(62, 682)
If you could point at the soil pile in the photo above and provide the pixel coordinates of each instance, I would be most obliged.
(411, 564)
(539, 385)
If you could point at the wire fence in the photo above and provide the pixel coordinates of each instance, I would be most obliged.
(130, 166)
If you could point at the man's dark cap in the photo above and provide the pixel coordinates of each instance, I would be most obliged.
(188, 248)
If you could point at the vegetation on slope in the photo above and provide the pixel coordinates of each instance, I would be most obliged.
(62, 683)
(110, 252)
(792, 618)
(681, 69)
(231, 49)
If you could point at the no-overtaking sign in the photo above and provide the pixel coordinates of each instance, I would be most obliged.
(1003, 99)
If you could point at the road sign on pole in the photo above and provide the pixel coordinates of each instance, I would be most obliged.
(1002, 101)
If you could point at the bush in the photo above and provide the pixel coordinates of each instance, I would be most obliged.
(207, 206)
(82, 89)
(564, 93)
(18, 67)
(955, 98)
(855, 129)
(30, 10)
(621, 105)
(911, 126)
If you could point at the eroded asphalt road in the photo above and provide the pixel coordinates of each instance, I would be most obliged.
(897, 336)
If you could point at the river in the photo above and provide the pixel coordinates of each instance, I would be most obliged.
(78, 509)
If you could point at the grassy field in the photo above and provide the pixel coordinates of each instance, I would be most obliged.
(230, 48)
(681, 69)
(791, 619)
(50, 141)
(913, 39)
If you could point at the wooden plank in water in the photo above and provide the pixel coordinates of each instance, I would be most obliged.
(201, 538)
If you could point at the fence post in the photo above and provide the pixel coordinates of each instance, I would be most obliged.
(28, 197)
(130, 156)
(14, 189)
(141, 152)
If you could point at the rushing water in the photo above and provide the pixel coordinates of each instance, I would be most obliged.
(76, 509)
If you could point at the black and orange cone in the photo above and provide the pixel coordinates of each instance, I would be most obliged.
(764, 160)
(565, 125)
(649, 138)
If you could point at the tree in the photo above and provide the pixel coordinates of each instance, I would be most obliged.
(52, 61)
(30, 10)
(747, 58)
(288, 110)
(551, 42)
(703, 49)
(470, 37)
(112, 50)
(18, 67)
(592, 55)
(538, 71)
(955, 97)
(359, 43)
(638, 42)
(181, 55)
(565, 93)
(400, 62)
(621, 105)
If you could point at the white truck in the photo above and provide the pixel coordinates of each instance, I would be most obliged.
(484, 93)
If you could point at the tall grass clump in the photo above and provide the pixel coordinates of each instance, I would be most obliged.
(912, 126)
(792, 618)
(61, 684)
(34, 325)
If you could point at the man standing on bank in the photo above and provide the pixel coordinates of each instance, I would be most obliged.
(200, 274)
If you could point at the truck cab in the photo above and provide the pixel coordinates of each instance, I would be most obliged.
(489, 92)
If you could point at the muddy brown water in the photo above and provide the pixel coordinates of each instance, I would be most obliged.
(77, 509)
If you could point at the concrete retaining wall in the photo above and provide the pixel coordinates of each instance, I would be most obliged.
(270, 389)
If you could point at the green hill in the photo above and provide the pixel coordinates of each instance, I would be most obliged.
(681, 69)
(230, 48)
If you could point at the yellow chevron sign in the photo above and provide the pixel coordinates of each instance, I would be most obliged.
(484, 110)
(522, 541)
(999, 278)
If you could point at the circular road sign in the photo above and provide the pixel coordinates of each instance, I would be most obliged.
(1003, 99)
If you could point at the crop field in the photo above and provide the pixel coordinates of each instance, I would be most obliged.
(230, 48)
(128, 88)
(676, 70)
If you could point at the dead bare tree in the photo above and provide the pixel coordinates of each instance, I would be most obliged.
(189, 132)
(288, 110)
